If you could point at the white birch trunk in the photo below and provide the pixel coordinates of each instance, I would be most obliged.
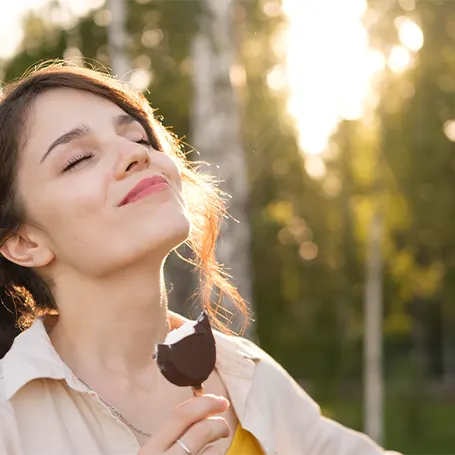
(216, 134)
(373, 378)
(116, 38)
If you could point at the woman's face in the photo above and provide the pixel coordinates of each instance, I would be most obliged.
(83, 156)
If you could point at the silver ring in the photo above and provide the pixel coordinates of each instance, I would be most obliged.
(183, 446)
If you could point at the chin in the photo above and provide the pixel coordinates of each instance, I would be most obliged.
(172, 234)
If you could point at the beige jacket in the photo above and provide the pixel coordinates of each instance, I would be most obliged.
(45, 410)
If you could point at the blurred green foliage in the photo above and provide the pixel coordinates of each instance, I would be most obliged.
(308, 242)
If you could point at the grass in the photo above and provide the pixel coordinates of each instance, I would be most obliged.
(413, 427)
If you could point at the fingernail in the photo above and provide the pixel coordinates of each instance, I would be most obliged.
(224, 400)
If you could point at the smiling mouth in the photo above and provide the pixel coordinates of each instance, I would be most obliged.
(144, 188)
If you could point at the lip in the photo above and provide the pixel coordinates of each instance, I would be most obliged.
(144, 188)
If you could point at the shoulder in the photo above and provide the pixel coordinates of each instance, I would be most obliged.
(9, 432)
(298, 415)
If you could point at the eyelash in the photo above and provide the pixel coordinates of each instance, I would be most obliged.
(75, 160)
(145, 142)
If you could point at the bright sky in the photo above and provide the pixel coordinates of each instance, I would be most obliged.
(10, 33)
(13, 10)
(329, 66)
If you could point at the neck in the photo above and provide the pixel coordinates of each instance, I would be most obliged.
(110, 325)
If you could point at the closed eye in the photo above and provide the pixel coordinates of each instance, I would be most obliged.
(76, 160)
(145, 142)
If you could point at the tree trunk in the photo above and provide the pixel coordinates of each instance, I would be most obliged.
(373, 332)
(116, 38)
(216, 134)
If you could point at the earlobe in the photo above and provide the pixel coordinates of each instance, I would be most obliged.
(25, 252)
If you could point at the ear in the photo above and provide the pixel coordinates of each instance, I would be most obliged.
(27, 248)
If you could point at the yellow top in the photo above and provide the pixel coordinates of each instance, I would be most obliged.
(244, 443)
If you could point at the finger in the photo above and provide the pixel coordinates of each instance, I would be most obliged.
(183, 417)
(200, 435)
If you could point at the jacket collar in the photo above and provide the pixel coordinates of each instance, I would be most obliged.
(32, 356)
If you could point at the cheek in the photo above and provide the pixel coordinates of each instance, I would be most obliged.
(171, 167)
(70, 204)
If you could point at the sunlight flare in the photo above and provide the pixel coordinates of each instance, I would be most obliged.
(330, 67)
(399, 59)
(410, 34)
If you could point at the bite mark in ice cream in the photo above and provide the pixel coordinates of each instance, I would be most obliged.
(188, 354)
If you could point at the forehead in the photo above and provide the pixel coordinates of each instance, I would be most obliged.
(57, 111)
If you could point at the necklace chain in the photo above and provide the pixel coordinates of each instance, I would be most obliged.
(116, 412)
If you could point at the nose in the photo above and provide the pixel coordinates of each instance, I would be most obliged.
(134, 157)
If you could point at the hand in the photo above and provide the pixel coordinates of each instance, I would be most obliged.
(193, 422)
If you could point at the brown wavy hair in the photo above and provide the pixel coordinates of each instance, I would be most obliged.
(23, 293)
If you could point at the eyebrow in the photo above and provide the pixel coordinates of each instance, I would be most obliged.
(84, 131)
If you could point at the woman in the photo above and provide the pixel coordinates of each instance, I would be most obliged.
(94, 194)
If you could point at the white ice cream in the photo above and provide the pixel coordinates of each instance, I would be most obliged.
(182, 332)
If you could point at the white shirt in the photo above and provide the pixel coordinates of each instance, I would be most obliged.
(45, 410)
